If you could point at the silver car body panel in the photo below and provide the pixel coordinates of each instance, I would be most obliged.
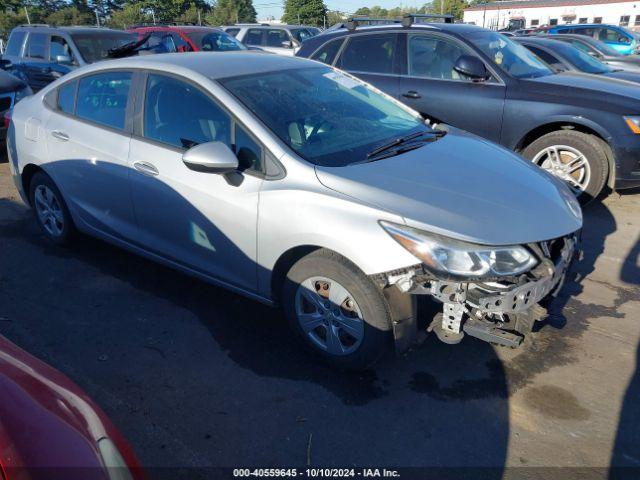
(460, 186)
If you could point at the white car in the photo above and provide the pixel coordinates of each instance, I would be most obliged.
(291, 182)
(281, 39)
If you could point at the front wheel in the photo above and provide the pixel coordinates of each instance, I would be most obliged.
(575, 157)
(336, 310)
(50, 210)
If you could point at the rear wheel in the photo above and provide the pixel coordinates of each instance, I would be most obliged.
(575, 157)
(50, 210)
(336, 310)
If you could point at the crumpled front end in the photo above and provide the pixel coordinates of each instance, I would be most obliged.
(501, 310)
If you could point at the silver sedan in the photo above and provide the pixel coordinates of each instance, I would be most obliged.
(296, 184)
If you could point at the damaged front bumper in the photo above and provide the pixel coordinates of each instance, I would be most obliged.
(501, 311)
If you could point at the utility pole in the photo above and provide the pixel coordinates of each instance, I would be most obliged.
(97, 18)
(153, 16)
(199, 19)
(26, 12)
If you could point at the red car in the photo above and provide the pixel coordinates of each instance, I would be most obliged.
(50, 429)
(187, 38)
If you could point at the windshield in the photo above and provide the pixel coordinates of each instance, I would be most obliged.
(96, 45)
(327, 117)
(511, 57)
(302, 34)
(215, 41)
(585, 62)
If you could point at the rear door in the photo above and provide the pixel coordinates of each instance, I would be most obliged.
(88, 137)
(36, 64)
(374, 58)
(436, 90)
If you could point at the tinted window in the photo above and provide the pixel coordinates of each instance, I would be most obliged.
(102, 98)
(433, 57)
(275, 38)
(179, 114)
(96, 46)
(36, 45)
(546, 57)
(16, 40)
(67, 97)
(615, 36)
(369, 53)
(301, 34)
(584, 62)
(232, 31)
(308, 109)
(248, 151)
(161, 42)
(328, 52)
(60, 47)
(254, 37)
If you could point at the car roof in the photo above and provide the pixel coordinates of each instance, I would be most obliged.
(213, 65)
(459, 28)
(67, 29)
(599, 25)
(265, 26)
(181, 28)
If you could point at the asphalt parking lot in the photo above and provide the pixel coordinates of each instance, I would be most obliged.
(195, 376)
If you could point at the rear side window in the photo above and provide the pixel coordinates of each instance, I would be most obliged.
(179, 114)
(14, 47)
(232, 31)
(67, 97)
(369, 53)
(102, 98)
(275, 38)
(254, 37)
(328, 52)
(36, 45)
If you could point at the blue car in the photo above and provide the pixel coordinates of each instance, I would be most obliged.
(617, 37)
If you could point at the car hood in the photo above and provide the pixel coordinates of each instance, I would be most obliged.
(466, 188)
(586, 86)
(625, 75)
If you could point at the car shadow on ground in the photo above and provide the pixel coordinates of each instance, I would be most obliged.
(454, 399)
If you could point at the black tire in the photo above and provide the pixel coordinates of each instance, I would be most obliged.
(588, 145)
(68, 230)
(368, 296)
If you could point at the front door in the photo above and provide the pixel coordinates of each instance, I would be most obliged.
(205, 221)
(437, 91)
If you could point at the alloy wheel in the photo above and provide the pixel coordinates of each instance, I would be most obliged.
(567, 163)
(329, 316)
(49, 210)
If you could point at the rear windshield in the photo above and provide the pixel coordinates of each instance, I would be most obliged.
(214, 41)
(95, 46)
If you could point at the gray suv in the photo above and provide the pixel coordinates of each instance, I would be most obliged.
(282, 39)
(39, 54)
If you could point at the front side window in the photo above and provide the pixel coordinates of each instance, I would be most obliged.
(60, 49)
(276, 38)
(14, 47)
(179, 114)
(67, 97)
(95, 46)
(431, 57)
(301, 34)
(102, 98)
(215, 41)
(369, 53)
(254, 37)
(328, 52)
(511, 57)
(36, 45)
(308, 109)
(613, 36)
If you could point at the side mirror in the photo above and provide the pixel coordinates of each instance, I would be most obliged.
(64, 59)
(210, 157)
(5, 64)
(471, 67)
(287, 44)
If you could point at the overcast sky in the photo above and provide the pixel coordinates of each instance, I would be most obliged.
(274, 8)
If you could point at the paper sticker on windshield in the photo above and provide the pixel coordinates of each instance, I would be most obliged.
(498, 58)
(343, 80)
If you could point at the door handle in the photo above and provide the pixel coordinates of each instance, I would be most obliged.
(60, 135)
(146, 168)
(411, 94)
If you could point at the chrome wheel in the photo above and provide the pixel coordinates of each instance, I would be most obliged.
(566, 163)
(329, 315)
(49, 210)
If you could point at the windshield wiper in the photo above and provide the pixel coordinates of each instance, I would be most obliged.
(406, 143)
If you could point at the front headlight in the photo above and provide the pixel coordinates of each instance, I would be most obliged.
(450, 257)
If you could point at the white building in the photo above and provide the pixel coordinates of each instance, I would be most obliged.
(536, 13)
